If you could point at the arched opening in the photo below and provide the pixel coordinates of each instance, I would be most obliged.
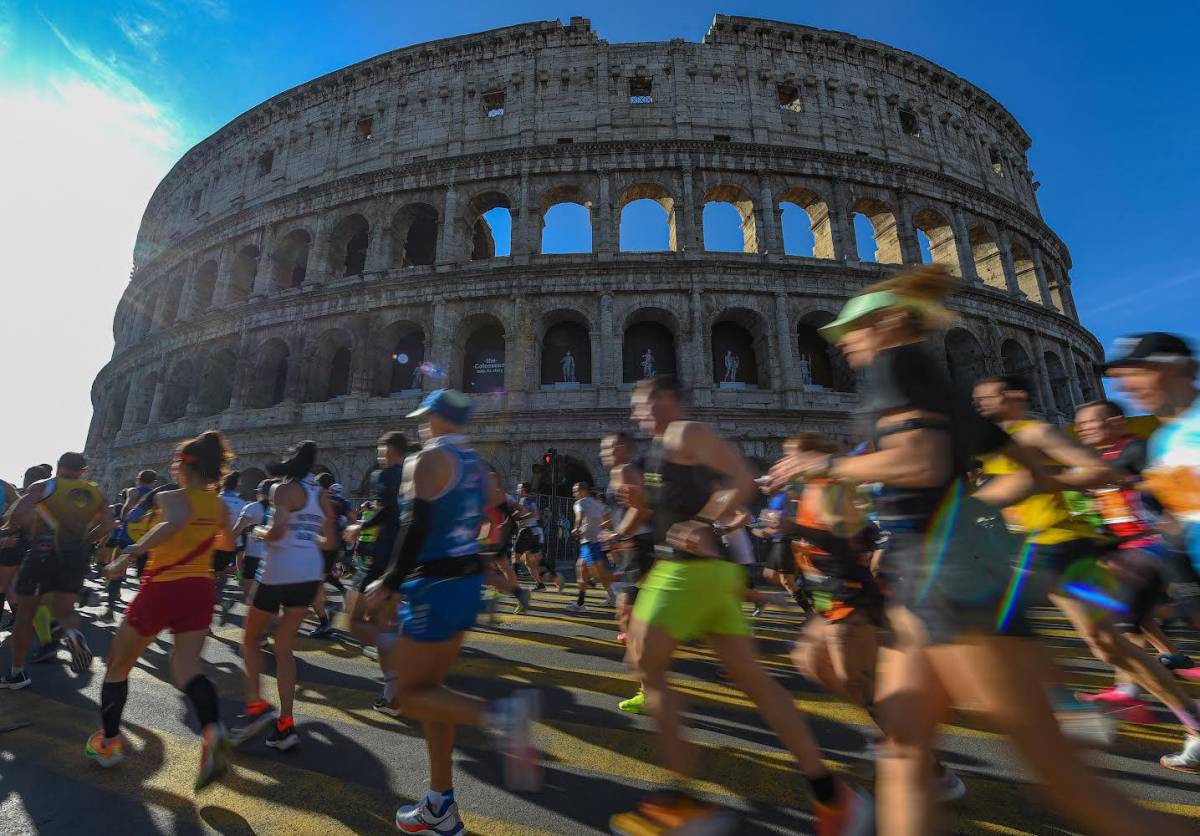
(648, 347)
(145, 399)
(177, 391)
(647, 214)
(1087, 387)
(566, 354)
(241, 277)
(559, 479)
(1016, 361)
(269, 386)
(566, 222)
(737, 342)
(806, 227)
(875, 222)
(483, 357)
(729, 221)
(489, 217)
(115, 412)
(988, 264)
(415, 235)
(935, 237)
(348, 246)
(214, 390)
(402, 355)
(330, 366)
(204, 287)
(964, 357)
(291, 259)
(1060, 384)
(820, 365)
(1026, 273)
(248, 484)
(171, 298)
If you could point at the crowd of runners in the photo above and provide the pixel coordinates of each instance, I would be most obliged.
(914, 553)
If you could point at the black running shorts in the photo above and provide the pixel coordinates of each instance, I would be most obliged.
(46, 569)
(222, 560)
(527, 542)
(272, 597)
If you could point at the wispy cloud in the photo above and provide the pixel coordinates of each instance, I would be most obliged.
(141, 33)
(1147, 293)
(216, 9)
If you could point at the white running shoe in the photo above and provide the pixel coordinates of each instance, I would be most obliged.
(573, 607)
(419, 819)
(81, 654)
(948, 786)
(1186, 759)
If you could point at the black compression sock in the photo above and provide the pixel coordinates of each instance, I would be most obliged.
(203, 697)
(582, 595)
(112, 706)
(824, 788)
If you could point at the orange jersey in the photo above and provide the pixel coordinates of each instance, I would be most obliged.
(189, 552)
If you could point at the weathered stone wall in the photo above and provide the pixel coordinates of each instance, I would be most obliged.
(379, 174)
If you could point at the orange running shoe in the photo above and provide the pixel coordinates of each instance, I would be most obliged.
(214, 755)
(852, 813)
(105, 751)
(674, 809)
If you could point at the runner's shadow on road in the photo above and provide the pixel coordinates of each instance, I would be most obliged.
(225, 822)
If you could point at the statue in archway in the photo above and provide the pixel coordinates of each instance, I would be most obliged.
(732, 362)
(806, 377)
(648, 364)
(418, 376)
(568, 367)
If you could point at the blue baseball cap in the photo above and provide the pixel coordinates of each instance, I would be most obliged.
(449, 404)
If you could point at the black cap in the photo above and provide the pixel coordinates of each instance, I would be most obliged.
(1151, 348)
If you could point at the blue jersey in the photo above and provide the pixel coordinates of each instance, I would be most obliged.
(458, 512)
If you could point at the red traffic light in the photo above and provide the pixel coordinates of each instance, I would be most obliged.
(547, 458)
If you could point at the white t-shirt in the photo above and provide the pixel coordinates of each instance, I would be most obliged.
(256, 513)
(589, 513)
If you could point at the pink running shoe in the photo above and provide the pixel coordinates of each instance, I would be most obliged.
(1120, 706)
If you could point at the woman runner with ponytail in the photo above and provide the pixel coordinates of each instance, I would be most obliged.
(289, 577)
(177, 593)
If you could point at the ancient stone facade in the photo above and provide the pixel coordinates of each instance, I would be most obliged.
(296, 270)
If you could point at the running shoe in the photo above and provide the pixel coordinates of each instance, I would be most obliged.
(511, 721)
(852, 813)
(15, 681)
(622, 638)
(1121, 706)
(283, 737)
(611, 601)
(253, 719)
(45, 653)
(522, 596)
(108, 616)
(226, 605)
(539, 587)
(214, 755)
(675, 811)
(757, 611)
(1083, 722)
(948, 786)
(573, 607)
(105, 751)
(81, 654)
(321, 631)
(420, 819)
(635, 704)
(384, 706)
(1186, 759)
(1176, 661)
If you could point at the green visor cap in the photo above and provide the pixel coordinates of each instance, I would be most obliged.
(857, 308)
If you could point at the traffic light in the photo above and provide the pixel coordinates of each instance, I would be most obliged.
(550, 456)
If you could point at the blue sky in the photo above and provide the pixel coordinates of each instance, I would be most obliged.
(100, 99)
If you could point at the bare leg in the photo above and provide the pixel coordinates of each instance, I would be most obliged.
(650, 653)
(285, 658)
(22, 635)
(127, 647)
(256, 621)
(185, 659)
(1006, 676)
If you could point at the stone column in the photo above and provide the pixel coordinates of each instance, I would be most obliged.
(156, 402)
(786, 348)
(439, 346)
(770, 233)
(845, 247)
(606, 367)
(701, 379)
(1050, 406)
(318, 257)
(379, 241)
(243, 373)
(1039, 270)
(1068, 298)
(361, 366)
(910, 248)
(448, 246)
(224, 277)
(962, 245)
(686, 227)
(183, 312)
(297, 373)
(265, 277)
(131, 408)
(1006, 259)
(605, 232)
(526, 227)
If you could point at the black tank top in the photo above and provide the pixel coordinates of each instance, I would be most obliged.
(675, 492)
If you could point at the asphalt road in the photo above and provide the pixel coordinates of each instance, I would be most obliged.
(355, 765)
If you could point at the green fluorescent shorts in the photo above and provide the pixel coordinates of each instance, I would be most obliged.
(691, 599)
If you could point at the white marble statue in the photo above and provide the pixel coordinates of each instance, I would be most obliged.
(648, 364)
(568, 367)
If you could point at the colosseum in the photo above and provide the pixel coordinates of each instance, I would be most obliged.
(316, 264)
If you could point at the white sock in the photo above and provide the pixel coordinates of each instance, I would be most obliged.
(1129, 689)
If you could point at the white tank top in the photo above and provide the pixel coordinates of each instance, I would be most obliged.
(256, 514)
(296, 557)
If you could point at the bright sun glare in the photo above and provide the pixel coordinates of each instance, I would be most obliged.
(77, 170)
